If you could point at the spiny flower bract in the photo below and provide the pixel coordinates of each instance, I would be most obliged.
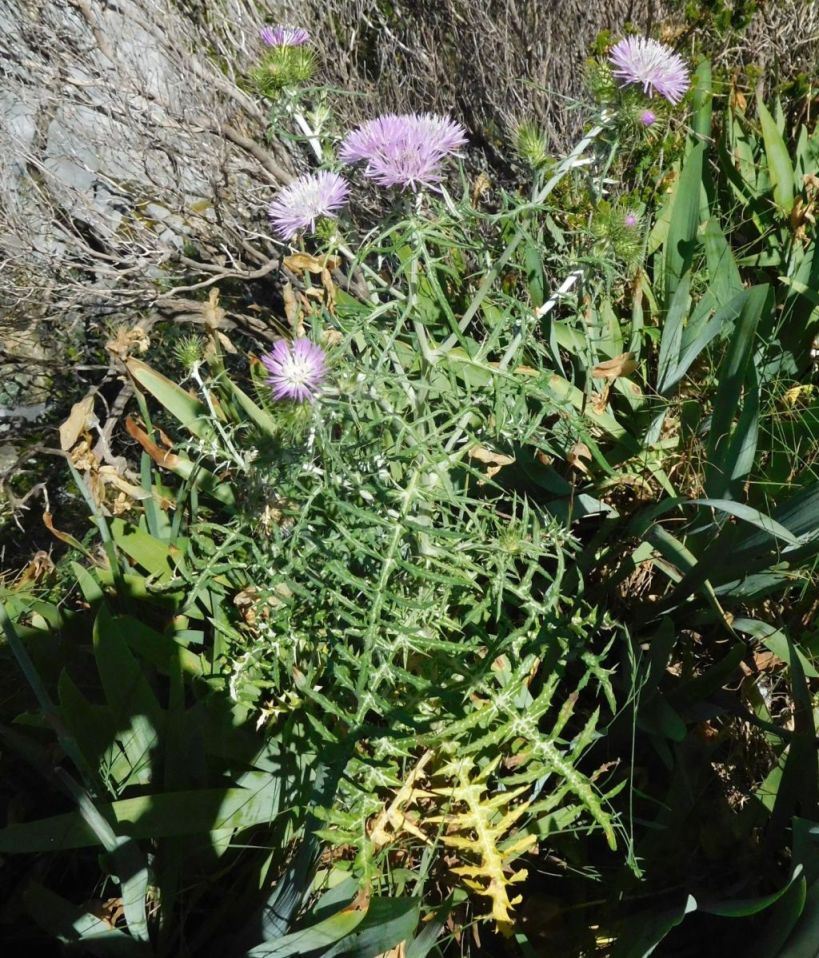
(296, 369)
(531, 144)
(299, 205)
(403, 150)
(282, 67)
(283, 36)
(655, 66)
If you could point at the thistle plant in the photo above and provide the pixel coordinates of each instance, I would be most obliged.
(408, 587)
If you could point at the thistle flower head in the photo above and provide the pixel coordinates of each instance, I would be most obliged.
(188, 351)
(655, 66)
(296, 369)
(298, 206)
(531, 144)
(403, 150)
(283, 36)
(648, 118)
(618, 230)
(284, 67)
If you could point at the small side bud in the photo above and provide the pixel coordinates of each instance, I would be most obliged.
(530, 144)
(189, 352)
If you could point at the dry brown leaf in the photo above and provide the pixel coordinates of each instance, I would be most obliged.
(128, 341)
(622, 365)
(82, 456)
(482, 454)
(226, 343)
(600, 400)
(39, 567)
(330, 337)
(79, 419)
(110, 911)
(577, 454)
(245, 601)
(212, 312)
(520, 370)
(291, 306)
(110, 476)
(121, 505)
(767, 660)
(481, 185)
(330, 288)
(514, 761)
(305, 263)
(65, 537)
(161, 457)
(738, 101)
(494, 460)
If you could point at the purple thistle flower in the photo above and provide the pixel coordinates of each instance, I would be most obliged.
(403, 150)
(630, 219)
(284, 36)
(296, 369)
(299, 205)
(653, 65)
(648, 118)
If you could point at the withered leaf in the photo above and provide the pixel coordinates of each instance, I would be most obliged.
(622, 365)
(479, 187)
(767, 660)
(305, 263)
(330, 287)
(39, 566)
(83, 458)
(577, 454)
(128, 341)
(494, 460)
(291, 309)
(212, 312)
(161, 457)
(110, 476)
(330, 337)
(65, 537)
(79, 419)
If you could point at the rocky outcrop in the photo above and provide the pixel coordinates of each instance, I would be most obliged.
(131, 159)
